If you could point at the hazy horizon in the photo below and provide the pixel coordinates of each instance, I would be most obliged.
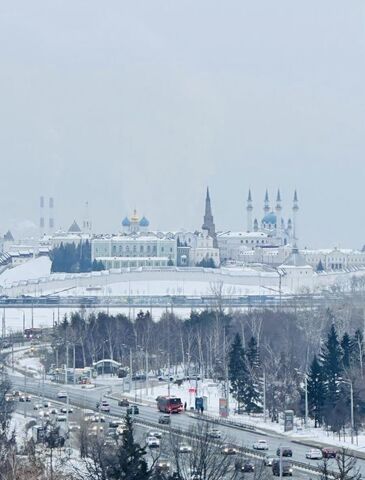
(145, 104)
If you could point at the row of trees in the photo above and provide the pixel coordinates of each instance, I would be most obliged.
(333, 374)
(71, 258)
(220, 344)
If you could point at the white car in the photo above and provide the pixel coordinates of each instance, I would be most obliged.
(61, 418)
(215, 433)
(184, 448)
(105, 407)
(314, 454)
(155, 434)
(153, 442)
(261, 445)
(62, 394)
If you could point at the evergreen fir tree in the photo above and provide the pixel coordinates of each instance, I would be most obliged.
(316, 391)
(237, 370)
(347, 351)
(331, 360)
(129, 462)
(253, 355)
(320, 267)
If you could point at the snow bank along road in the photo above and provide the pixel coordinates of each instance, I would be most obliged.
(87, 398)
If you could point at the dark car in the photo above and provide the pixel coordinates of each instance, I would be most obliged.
(286, 452)
(286, 468)
(245, 465)
(164, 419)
(123, 403)
(329, 452)
(133, 410)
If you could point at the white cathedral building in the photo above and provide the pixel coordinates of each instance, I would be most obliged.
(266, 241)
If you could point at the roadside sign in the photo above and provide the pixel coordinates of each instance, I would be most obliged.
(288, 420)
(223, 408)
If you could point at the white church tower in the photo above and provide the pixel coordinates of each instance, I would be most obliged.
(249, 210)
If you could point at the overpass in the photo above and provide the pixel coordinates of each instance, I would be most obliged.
(303, 301)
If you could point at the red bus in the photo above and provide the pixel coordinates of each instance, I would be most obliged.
(169, 404)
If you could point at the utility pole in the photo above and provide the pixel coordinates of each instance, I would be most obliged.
(281, 463)
(146, 372)
(25, 391)
(74, 363)
(264, 378)
(306, 401)
(352, 412)
(168, 380)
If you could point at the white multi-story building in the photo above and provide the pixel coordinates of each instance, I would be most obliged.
(335, 258)
(232, 244)
(135, 246)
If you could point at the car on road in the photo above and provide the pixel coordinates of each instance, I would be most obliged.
(37, 406)
(153, 442)
(123, 403)
(314, 454)
(114, 423)
(46, 404)
(185, 448)
(61, 418)
(97, 419)
(64, 410)
(74, 426)
(244, 465)
(120, 429)
(329, 452)
(95, 430)
(154, 433)
(260, 445)
(164, 419)
(43, 413)
(111, 432)
(286, 468)
(163, 465)
(62, 394)
(285, 452)
(53, 411)
(133, 410)
(104, 407)
(215, 433)
(268, 461)
(21, 398)
(28, 398)
(229, 450)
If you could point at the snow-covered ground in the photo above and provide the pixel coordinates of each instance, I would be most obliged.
(212, 391)
(28, 362)
(36, 268)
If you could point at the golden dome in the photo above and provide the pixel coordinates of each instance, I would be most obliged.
(135, 217)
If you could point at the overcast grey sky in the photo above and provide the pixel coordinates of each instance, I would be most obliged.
(143, 103)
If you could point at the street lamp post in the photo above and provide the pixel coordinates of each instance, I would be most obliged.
(349, 382)
(306, 401)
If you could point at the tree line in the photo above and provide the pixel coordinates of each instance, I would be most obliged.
(71, 258)
(317, 344)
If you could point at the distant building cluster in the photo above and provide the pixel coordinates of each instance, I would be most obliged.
(271, 241)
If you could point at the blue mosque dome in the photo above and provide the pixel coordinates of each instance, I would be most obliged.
(269, 219)
(144, 222)
(126, 222)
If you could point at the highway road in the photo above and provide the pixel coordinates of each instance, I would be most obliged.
(87, 399)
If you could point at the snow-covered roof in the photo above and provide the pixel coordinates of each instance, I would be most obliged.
(328, 251)
(230, 234)
(295, 260)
